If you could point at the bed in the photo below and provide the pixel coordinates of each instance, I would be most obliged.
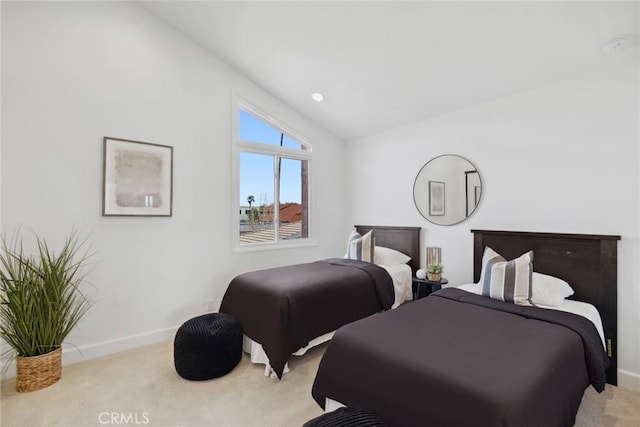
(460, 359)
(286, 310)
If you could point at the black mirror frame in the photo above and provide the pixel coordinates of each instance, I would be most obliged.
(466, 178)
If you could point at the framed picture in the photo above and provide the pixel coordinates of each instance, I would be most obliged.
(137, 178)
(436, 198)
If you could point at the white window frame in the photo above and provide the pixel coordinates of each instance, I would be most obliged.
(239, 146)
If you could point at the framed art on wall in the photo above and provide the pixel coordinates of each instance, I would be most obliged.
(436, 198)
(137, 178)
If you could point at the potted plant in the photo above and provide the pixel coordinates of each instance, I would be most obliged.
(40, 303)
(434, 272)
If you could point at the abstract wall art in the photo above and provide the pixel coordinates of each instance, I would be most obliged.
(137, 178)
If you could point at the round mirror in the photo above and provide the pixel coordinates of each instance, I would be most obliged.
(447, 189)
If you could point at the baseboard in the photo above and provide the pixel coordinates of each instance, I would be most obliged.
(628, 380)
(72, 354)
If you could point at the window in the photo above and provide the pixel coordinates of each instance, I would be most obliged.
(273, 181)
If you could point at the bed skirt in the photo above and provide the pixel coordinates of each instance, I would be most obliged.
(255, 350)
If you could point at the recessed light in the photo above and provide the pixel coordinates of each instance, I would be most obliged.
(317, 96)
(615, 46)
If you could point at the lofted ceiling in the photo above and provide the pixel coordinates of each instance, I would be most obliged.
(381, 65)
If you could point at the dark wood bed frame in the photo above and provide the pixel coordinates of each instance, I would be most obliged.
(403, 239)
(588, 262)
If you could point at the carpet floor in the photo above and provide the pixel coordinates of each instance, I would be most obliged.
(141, 387)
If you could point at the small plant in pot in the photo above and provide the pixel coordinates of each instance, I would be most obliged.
(40, 303)
(434, 272)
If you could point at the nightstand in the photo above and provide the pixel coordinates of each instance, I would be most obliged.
(424, 287)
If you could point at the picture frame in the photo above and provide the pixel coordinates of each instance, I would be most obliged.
(436, 198)
(137, 178)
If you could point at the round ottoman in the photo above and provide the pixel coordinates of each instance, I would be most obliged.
(207, 346)
(346, 417)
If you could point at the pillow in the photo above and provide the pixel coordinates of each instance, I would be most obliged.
(352, 235)
(470, 287)
(387, 256)
(360, 247)
(504, 280)
(549, 290)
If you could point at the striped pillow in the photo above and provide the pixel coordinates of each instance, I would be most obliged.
(360, 247)
(504, 280)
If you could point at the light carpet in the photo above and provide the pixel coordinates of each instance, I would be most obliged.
(141, 387)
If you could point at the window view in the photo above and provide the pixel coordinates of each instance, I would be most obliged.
(255, 130)
(273, 183)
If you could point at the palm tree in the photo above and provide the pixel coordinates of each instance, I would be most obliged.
(253, 212)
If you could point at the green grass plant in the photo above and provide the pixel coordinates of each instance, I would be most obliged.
(40, 296)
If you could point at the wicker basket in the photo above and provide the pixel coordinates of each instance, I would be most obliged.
(434, 277)
(36, 372)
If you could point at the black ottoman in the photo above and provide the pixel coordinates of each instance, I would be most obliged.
(346, 417)
(207, 346)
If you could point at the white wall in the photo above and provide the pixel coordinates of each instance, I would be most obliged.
(76, 72)
(563, 158)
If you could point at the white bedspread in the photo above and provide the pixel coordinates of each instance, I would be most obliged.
(402, 282)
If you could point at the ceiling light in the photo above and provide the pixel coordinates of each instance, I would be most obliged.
(317, 96)
(615, 46)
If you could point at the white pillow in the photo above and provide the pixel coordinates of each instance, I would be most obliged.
(474, 288)
(388, 256)
(550, 291)
(352, 235)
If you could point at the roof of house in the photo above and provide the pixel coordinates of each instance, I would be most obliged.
(289, 212)
(286, 231)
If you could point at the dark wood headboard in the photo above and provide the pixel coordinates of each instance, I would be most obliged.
(403, 239)
(588, 262)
